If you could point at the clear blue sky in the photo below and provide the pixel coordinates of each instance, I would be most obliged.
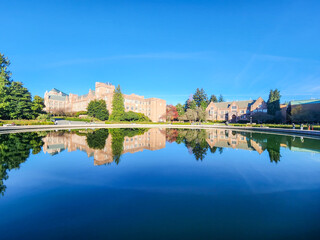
(165, 49)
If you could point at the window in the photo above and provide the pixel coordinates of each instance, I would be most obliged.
(242, 111)
(221, 112)
(234, 107)
(264, 110)
(211, 108)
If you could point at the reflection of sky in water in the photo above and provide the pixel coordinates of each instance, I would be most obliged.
(170, 172)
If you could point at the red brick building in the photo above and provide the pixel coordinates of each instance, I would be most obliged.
(236, 110)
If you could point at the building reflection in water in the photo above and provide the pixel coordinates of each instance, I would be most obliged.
(107, 145)
(132, 141)
(228, 139)
(200, 142)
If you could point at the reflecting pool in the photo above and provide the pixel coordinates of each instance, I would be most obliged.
(158, 184)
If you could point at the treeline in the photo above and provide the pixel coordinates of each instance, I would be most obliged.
(194, 109)
(15, 100)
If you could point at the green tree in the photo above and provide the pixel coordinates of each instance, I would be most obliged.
(200, 96)
(273, 104)
(20, 102)
(221, 99)
(37, 106)
(117, 105)
(213, 98)
(204, 105)
(190, 104)
(15, 100)
(98, 109)
(180, 109)
(5, 83)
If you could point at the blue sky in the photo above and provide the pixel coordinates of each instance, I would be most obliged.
(165, 49)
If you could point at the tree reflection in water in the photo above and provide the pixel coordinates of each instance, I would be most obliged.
(200, 142)
(108, 145)
(118, 135)
(15, 149)
(97, 139)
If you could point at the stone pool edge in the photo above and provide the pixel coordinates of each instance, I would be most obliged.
(281, 131)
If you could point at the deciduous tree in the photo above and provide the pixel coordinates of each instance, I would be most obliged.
(180, 109)
(171, 113)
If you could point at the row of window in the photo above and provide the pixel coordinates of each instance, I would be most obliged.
(136, 101)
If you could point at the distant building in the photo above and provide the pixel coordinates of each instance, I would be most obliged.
(303, 111)
(56, 101)
(236, 110)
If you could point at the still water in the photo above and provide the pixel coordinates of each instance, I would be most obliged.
(158, 184)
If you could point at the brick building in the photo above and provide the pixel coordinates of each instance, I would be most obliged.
(236, 110)
(57, 101)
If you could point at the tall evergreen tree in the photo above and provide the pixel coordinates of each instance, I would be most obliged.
(20, 102)
(15, 100)
(273, 103)
(200, 96)
(117, 105)
(190, 104)
(221, 99)
(213, 98)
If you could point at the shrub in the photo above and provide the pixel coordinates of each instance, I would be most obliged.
(77, 114)
(42, 117)
(132, 116)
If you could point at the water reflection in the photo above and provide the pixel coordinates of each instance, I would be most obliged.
(104, 145)
(108, 145)
(15, 149)
(200, 142)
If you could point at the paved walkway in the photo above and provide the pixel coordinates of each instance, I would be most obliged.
(82, 125)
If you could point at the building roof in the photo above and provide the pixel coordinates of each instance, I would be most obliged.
(300, 102)
(240, 104)
(58, 91)
(58, 98)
